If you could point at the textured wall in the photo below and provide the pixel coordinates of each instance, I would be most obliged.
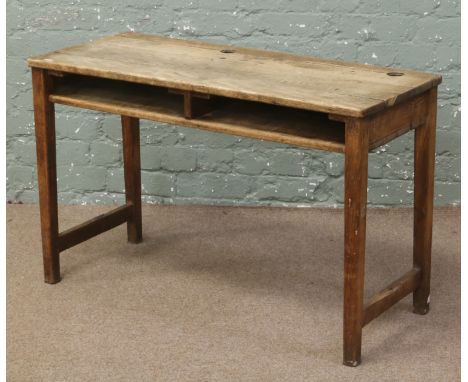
(189, 166)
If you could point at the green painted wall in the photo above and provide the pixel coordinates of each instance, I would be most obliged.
(181, 165)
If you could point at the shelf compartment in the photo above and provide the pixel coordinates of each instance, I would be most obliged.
(236, 117)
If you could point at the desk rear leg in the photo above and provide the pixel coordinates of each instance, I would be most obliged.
(132, 175)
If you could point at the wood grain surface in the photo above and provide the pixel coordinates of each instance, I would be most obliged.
(337, 87)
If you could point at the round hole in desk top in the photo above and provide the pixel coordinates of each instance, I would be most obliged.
(395, 74)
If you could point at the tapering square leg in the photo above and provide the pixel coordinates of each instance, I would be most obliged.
(356, 164)
(132, 174)
(424, 158)
(44, 123)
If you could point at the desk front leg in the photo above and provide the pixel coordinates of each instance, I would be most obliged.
(44, 124)
(424, 158)
(356, 165)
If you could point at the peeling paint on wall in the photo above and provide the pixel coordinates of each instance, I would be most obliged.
(181, 165)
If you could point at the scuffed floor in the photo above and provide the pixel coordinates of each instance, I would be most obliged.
(224, 294)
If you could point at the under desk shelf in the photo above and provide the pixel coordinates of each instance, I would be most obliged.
(242, 118)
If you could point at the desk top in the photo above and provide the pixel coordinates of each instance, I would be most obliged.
(310, 83)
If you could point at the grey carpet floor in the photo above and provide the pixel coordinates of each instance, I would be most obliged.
(224, 294)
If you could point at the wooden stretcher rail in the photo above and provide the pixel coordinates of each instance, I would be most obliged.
(94, 227)
(390, 295)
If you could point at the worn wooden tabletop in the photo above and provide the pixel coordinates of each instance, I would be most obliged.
(329, 86)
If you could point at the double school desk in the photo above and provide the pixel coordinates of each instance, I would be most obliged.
(309, 102)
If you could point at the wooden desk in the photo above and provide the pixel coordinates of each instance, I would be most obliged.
(304, 101)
